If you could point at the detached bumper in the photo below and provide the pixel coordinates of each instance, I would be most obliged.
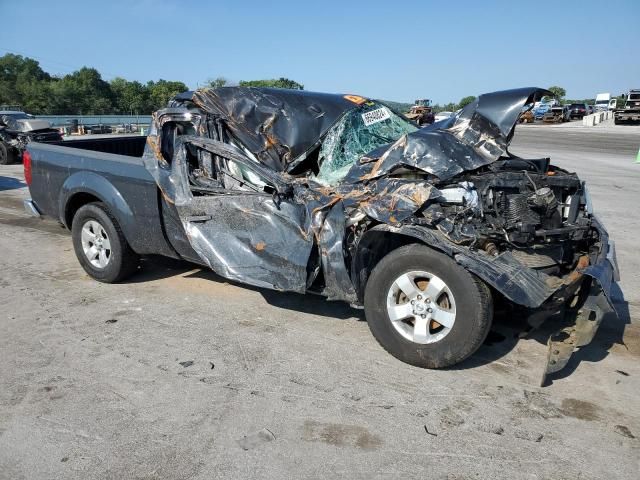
(587, 317)
(31, 208)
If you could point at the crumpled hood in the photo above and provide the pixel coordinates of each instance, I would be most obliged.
(478, 135)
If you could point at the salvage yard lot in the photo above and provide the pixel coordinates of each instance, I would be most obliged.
(180, 374)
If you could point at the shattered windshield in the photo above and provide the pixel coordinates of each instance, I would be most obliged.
(358, 132)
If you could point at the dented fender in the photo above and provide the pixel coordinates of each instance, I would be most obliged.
(522, 285)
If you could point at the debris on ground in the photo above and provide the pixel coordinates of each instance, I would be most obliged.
(624, 431)
(430, 433)
(256, 439)
(527, 435)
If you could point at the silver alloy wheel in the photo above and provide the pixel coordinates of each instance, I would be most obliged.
(96, 244)
(421, 307)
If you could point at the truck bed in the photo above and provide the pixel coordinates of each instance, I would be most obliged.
(68, 174)
(132, 146)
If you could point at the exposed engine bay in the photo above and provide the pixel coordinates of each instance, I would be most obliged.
(537, 213)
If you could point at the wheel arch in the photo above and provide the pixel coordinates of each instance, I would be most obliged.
(86, 187)
(379, 241)
(510, 278)
(74, 203)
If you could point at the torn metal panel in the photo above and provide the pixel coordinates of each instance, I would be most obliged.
(438, 153)
(477, 136)
(247, 238)
(171, 174)
(580, 332)
(386, 200)
(242, 236)
(501, 109)
(605, 267)
(338, 282)
(279, 126)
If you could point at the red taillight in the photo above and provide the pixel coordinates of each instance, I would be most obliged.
(26, 161)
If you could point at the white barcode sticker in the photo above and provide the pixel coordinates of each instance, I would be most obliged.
(375, 116)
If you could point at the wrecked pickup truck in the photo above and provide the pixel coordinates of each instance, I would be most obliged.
(339, 195)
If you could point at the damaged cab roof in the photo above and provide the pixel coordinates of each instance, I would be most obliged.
(280, 127)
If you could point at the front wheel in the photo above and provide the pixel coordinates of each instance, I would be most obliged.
(100, 245)
(425, 309)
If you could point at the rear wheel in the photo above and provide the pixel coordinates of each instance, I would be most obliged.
(425, 309)
(6, 155)
(100, 245)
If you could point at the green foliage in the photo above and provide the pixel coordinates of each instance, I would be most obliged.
(398, 107)
(22, 81)
(465, 101)
(216, 82)
(588, 101)
(273, 83)
(558, 92)
(162, 91)
(447, 107)
(129, 97)
(83, 92)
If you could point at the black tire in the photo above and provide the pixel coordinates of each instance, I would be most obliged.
(474, 308)
(123, 261)
(6, 155)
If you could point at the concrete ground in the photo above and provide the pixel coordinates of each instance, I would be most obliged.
(178, 374)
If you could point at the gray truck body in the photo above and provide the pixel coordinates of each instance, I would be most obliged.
(233, 179)
(66, 177)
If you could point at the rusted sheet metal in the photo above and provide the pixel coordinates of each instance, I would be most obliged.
(477, 136)
(278, 125)
(582, 327)
(293, 225)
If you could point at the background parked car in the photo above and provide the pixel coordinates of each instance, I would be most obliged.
(540, 111)
(97, 129)
(17, 129)
(557, 114)
(527, 115)
(442, 116)
(578, 110)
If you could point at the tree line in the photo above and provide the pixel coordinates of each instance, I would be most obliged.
(84, 92)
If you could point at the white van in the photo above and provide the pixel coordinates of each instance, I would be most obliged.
(604, 102)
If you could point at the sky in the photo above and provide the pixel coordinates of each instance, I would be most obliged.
(395, 50)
